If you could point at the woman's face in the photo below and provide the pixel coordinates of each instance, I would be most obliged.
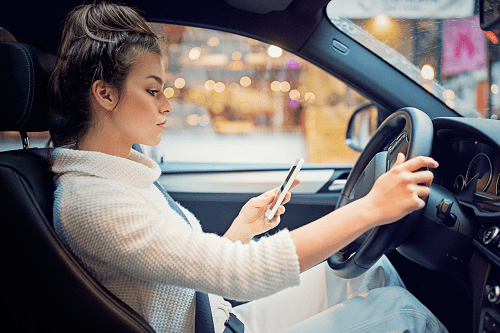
(140, 115)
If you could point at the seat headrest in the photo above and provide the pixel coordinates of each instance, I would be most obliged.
(24, 75)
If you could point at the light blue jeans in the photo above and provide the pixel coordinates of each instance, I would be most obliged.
(376, 301)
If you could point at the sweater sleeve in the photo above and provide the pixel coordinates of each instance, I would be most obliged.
(117, 231)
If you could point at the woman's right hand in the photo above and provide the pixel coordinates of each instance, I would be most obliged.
(402, 189)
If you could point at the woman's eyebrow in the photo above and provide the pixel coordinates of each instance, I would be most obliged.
(157, 78)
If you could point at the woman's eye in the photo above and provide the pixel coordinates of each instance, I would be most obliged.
(153, 92)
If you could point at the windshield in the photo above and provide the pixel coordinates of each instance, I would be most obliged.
(439, 44)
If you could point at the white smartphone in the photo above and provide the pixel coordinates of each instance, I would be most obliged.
(284, 188)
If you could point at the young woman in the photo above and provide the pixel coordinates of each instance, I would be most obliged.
(107, 89)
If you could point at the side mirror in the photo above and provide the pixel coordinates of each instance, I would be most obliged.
(489, 14)
(362, 126)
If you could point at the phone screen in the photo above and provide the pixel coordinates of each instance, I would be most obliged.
(282, 188)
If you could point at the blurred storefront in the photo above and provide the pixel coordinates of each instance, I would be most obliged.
(452, 57)
(242, 86)
(223, 85)
(230, 85)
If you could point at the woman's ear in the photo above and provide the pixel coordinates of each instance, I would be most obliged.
(104, 95)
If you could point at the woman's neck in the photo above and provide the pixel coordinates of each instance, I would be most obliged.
(99, 139)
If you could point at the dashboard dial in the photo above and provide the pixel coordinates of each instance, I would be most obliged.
(480, 169)
(459, 182)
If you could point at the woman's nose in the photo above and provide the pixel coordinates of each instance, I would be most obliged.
(166, 107)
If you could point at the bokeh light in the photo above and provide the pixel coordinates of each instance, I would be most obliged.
(275, 86)
(294, 94)
(285, 86)
(204, 120)
(209, 85)
(234, 87)
(236, 55)
(213, 41)
(292, 64)
(193, 119)
(194, 53)
(245, 81)
(236, 65)
(179, 83)
(309, 97)
(427, 72)
(219, 87)
(494, 89)
(274, 51)
(448, 94)
(253, 42)
(168, 92)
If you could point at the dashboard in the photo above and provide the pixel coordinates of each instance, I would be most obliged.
(473, 173)
(468, 181)
(478, 168)
(468, 151)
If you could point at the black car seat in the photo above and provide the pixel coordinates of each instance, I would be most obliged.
(45, 289)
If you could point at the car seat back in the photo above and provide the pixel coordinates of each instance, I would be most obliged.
(45, 287)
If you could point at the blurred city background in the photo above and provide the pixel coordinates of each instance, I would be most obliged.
(237, 99)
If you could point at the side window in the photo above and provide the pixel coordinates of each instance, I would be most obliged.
(10, 140)
(236, 99)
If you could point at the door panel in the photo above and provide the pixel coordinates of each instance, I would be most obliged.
(215, 193)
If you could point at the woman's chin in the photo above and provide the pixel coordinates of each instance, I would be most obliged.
(152, 142)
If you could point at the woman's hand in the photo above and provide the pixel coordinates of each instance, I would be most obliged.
(402, 189)
(395, 194)
(251, 220)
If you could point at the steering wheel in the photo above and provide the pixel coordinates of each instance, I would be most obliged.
(410, 132)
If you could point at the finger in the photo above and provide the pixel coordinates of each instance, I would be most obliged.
(280, 211)
(274, 222)
(295, 183)
(270, 192)
(399, 159)
(423, 177)
(260, 201)
(287, 198)
(420, 204)
(420, 162)
(422, 191)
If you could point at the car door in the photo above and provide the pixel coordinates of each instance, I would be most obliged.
(216, 193)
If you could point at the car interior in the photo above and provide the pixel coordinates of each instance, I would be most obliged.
(448, 254)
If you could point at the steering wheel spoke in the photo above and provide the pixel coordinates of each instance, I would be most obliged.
(375, 168)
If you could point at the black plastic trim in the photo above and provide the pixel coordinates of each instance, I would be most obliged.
(487, 253)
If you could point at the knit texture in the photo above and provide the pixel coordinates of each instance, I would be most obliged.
(118, 224)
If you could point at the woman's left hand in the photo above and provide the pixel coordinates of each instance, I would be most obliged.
(251, 220)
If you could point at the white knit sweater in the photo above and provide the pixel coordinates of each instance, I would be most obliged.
(110, 215)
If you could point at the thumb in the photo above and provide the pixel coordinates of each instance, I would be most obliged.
(295, 183)
(400, 159)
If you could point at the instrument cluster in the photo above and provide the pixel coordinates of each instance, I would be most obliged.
(475, 173)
